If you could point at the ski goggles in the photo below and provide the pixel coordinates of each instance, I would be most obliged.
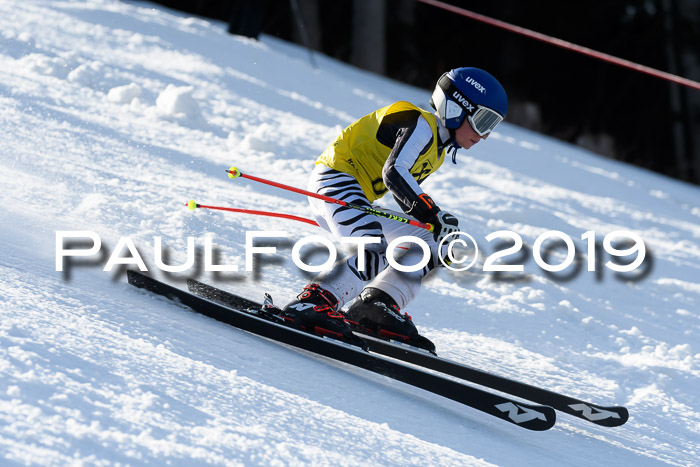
(484, 120)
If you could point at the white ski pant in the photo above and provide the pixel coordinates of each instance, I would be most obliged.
(348, 277)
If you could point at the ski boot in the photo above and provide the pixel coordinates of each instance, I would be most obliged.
(316, 310)
(375, 313)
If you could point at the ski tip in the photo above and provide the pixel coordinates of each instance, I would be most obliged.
(624, 416)
(619, 417)
(545, 420)
(603, 416)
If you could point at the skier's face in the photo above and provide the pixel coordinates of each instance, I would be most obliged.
(466, 136)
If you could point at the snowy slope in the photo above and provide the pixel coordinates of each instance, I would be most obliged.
(115, 114)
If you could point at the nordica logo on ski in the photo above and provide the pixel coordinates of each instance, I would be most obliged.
(593, 414)
(520, 414)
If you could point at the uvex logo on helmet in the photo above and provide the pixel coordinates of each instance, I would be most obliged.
(476, 84)
(461, 99)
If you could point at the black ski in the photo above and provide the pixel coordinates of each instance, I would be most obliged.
(603, 416)
(531, 417)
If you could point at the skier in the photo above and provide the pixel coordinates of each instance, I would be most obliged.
(391, 150)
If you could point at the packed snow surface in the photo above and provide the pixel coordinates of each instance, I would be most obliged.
(115, 114)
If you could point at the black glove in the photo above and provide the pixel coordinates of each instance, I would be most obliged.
(444, 224)
(425, 210)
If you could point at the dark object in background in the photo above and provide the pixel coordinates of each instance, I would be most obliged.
(610, 110)
(247, 18)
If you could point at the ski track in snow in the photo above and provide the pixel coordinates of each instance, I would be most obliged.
(115, 114)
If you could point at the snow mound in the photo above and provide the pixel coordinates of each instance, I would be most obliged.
(176, 103)
(124, 94)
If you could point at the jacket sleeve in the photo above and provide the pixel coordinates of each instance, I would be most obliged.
(412, 139)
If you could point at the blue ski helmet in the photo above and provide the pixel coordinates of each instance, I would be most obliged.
(469, 94)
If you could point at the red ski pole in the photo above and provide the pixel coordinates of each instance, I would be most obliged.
(233, 172)
(192, 205)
